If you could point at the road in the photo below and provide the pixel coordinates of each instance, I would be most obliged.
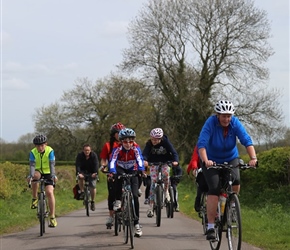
(76, 231)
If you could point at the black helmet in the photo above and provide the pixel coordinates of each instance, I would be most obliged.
(39, 139)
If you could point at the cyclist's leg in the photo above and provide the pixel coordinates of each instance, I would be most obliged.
(153, 178)
(34, 187)
(212, 179)
(135, 186)
(166, 180)
(111, 197)
(93, 188)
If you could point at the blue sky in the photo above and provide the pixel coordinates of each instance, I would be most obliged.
(46, 45)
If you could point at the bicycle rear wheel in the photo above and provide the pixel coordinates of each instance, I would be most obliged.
(86, 201)
(41, 212)
(234, 222)
(202, 212)
(158, 205)
(117, 223)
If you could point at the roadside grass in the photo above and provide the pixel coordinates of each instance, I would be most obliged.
(263, 225)
(16, 214)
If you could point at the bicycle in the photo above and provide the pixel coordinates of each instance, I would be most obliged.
(125, 216)
(42, 207)
(87, 193)
(159, 193)
(229, 220)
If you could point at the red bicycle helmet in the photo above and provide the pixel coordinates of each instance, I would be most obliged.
(117, 127)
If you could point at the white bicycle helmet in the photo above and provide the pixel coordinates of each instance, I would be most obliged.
(156, 133)
(224, 107)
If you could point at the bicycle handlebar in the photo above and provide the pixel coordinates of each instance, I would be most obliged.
(169, 163)
(225, 165)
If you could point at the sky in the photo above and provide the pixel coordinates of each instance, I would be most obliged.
(46, 45)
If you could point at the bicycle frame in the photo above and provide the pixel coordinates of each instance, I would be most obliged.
(128, 212)
(159, 192)
(230, 221)
(42, 208)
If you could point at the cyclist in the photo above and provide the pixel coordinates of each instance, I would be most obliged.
(159, 149)
(217, 144)
(105, 156)
(193, 167)
(127, 158)
(87, 162)
(42, 163)
(174, 181)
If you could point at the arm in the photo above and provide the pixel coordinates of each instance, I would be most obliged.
(246, 140)
(172, 151)
(193, 165)
(31, 164)
(52, 163)
(139, 158)
(78, 164)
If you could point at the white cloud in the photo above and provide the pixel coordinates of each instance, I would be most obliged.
(15, 84)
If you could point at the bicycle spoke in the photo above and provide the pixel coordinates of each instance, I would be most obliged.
(234, 230)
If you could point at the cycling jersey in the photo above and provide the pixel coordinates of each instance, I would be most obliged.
(220, 146)
(131, 159)
(105, 153)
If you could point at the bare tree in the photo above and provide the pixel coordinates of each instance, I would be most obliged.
(195, 52)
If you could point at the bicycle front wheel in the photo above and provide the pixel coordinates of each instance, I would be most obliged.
(158, 205)
(131, 219)
(41, 212)
(170, 205)
(234, 222)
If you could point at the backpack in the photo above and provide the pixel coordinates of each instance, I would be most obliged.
(76, 192)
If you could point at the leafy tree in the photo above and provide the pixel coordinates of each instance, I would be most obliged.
(86, 113)
(194, 52)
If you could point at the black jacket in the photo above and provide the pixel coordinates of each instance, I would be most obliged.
(162, 152)
(87, 166)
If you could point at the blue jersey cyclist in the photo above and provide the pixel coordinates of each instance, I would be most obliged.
(217, 143)
(127, 158)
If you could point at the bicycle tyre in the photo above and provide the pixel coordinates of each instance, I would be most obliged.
(158, 205)
(131, 219)
(234, 222)
(202, 212)
(125, 221)
(116, 224)
(41, 213)
(173, 205)
(86, 201)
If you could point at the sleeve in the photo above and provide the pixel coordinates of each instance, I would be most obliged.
(78, 164)
(205, 133)
(113, 161)
(31, 164)
(96, 163)
(52, 163)
(146, 151)
(242, 134)
(139, 159)
(172, 151)
(105, 152)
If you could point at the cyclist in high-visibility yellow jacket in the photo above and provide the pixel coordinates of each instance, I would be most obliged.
(42, 162)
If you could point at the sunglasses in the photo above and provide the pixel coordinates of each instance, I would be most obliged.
(127, 141)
